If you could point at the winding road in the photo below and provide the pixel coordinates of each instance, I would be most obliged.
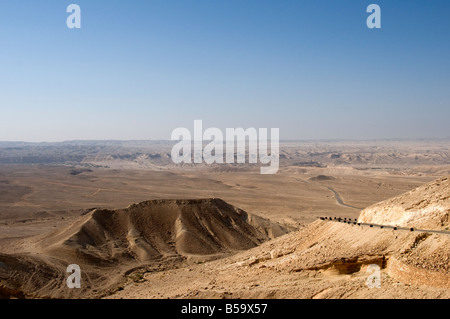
(337, 196)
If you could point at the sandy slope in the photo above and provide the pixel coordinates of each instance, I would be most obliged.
(323, 260)
(426, 207)
(109, 244)
(326, 259)
(170, 249)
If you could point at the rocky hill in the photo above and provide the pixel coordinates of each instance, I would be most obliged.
(109, 245)
(426, 207)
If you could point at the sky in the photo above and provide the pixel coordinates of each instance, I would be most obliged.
(136, 70)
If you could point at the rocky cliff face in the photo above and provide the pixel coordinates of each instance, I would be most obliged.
(426, 207)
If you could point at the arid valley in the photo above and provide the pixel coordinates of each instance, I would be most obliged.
(140, 226)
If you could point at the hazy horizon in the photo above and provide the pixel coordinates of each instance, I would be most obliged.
(205, 141)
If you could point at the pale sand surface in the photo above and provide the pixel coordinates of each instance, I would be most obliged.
(225, 231)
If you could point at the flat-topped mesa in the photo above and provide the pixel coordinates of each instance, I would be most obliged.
(425, 207)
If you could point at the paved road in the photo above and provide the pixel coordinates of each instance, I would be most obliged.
(339, 198)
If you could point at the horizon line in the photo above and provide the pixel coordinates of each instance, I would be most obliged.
(281, 140)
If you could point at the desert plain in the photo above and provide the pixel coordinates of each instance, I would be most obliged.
(140, 226)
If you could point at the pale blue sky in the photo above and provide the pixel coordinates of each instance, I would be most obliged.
(139, 69)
